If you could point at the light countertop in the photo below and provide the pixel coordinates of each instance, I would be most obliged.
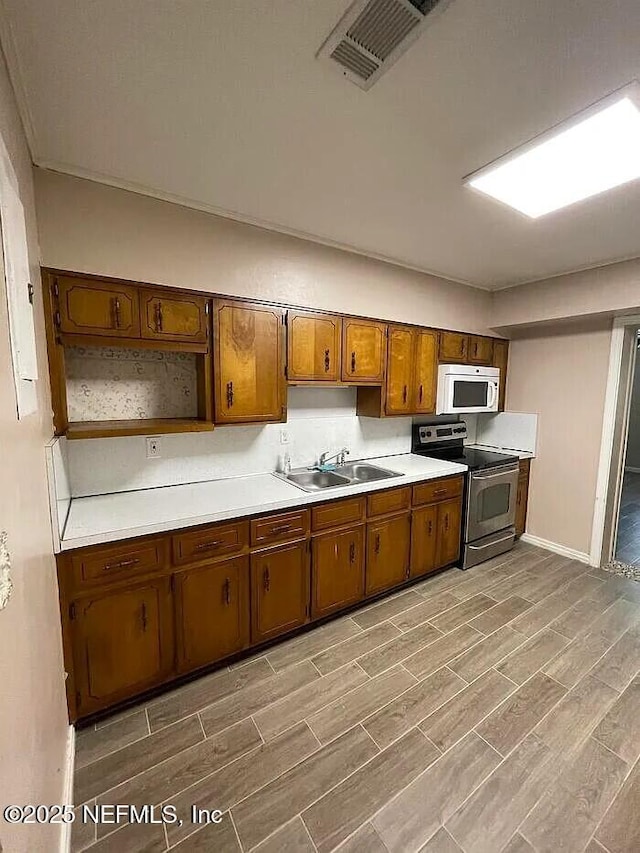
(123, 515)
(522, 454)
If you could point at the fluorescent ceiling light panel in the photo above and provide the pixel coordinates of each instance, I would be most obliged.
(570, 163)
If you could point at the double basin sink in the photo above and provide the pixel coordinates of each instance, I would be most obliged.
(352, 474)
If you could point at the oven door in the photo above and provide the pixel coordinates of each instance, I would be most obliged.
(491, 501)
(462, 394)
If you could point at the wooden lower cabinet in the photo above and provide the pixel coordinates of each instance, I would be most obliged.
(522, 498)
(449, 522)
(123, 643)
(212, 612)
(388, 542)
(279, 590)
(337, 570)
(424, 540)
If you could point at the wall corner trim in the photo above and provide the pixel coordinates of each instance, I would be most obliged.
(580, 556)
(67, 788)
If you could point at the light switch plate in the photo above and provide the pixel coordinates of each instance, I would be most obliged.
(284, 436)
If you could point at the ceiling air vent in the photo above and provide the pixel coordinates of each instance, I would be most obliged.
(373, 34)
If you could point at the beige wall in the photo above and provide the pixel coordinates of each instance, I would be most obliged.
(612, 289)
(93, 228)
(561, 374)
(33, 721)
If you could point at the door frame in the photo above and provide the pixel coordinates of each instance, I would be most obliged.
(613, 446)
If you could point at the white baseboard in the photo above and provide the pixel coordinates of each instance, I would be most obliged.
(67, 791)
(581, 556)
(632, 469)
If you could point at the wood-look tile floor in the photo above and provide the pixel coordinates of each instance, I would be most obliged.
(489, 710)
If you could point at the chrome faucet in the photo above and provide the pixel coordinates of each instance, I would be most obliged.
(340, 457)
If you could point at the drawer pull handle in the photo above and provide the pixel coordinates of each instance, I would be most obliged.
(462, 342)
(158, 316)
(204, 546)
(353, 362)
(404, 394)
(116, 312)
(438, 492)
(429, 527)
(227, 592)
(327, 361)
(123, 564)
(446, 521)
(377, 544)
(421, 393)
(352, 552)
(229, 394)
(266, 580)
(144, 616)
(281, 528)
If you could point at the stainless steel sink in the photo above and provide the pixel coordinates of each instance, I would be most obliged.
(313, 480)
(361, 472)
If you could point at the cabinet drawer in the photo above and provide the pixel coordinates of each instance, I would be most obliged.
(115, 562)
(437, 490)
(278, 528)
(337, 514)
(210, 542)
(393, 500)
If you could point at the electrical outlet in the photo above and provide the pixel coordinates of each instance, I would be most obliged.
(153, 447)
(284, 436)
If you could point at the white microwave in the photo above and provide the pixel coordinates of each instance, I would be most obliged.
(463, 388)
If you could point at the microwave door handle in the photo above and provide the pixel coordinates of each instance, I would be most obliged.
(494, 394)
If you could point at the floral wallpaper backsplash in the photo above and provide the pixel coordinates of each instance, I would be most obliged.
(105, 383)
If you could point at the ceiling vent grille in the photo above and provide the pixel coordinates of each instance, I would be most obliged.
(373, 34)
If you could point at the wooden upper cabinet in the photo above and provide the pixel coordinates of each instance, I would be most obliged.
(337, 570)
(400, 350)
(122, 643)
(248, 363)
(212, 612)
(313, 346)
(279, 590)
(387, 553)
(363, 350)
(173, 318)
(453, 347)
(500, 360)
(426, 371)
(449, 522)
(88, 307)
(480, 350)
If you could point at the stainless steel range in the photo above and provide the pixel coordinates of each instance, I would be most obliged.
(491, 488)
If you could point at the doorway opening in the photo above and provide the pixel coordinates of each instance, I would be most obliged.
(615, 541)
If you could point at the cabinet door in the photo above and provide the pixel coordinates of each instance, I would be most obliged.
(424, 540)
(173, 318)
(425, 371)
(279, 590)
(249, 365)
(387, 553)
(522, 500)
(313, 346)
(453, 347)
(399, 399)
(449, 522)
(363, 350)
(123, 643)
(212, 612)
(480, 350)
(337, 570)
(500, 360)
(98, 308)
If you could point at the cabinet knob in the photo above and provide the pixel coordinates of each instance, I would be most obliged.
(327, 361)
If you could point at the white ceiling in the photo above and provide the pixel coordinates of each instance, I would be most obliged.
(223, 105)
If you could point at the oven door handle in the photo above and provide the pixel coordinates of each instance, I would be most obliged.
(504, 473)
